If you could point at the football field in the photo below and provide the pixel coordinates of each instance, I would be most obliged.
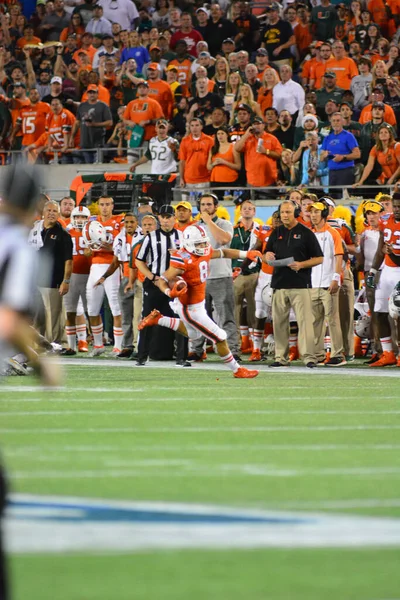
(163, 483)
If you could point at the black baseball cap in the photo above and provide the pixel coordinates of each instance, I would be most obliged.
(228, 41)
(258, 120)
(167, 210)
(246, 107)
(378, 105)
(329, 74)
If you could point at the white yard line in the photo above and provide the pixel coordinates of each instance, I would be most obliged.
(33, 413)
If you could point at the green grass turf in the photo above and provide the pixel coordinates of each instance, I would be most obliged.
(298, 442)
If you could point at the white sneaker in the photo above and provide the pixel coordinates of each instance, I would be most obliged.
(98, 350)
(17, 367)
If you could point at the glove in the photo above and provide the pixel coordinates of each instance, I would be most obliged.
(370, 281)
(253, 255)
(109, 238)
(236, 272)
(178, 290)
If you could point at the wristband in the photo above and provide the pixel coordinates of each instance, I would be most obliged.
(163, 278)
(242, 254)
(373, 271)
(336, 277)
(357, 249)
(105, 276)
(67, 281)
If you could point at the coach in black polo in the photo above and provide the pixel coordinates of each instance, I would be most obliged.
(292, 284)
(153, 260)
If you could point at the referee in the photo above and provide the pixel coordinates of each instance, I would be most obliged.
(152, 260)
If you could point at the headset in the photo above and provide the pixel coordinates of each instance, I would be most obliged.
(375, 202)
(325, 211)
(297, 208)
(207, 195)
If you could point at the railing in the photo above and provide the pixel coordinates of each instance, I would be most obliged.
(17, 156)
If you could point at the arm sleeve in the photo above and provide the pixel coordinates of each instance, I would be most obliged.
(144, 249)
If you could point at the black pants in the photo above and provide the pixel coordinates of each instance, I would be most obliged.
(343, 177)
(3, 578)
(158, 342)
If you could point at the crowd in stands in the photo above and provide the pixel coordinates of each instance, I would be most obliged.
(80, 76)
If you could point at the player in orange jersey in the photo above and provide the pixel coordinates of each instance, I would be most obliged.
(32, 119)
(192, 263)
(101, 260)
(388, 252)
(76, 295)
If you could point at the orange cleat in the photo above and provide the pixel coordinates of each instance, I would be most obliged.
(193, 356)
(247, 345)
(83, 346)
(387, 359)
(398, 361)
(243, 373)
(294, 353)
(327, 357)
(151, 319)
(255, 356)
(358, 351)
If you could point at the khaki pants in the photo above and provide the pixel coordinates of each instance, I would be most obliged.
(346, 309)
(244, 288)
(300, 300)
(325, 308)
(55, 320)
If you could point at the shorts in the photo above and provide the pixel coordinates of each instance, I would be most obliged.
(95, 295)
(75, 300)
(390, 276)
(197, 321)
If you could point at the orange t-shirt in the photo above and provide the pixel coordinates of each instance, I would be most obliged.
(264, 99)
(113, 226)
(184, 73)
(79, 31)
(388, 115)
(307, 67)
(15, 108)
(378, 10)
(317, 71)
(80, 263)
(161, 91)
(104, 95)
(195, 154)
(261, 169)
(303, 36)
(389, 161)
(304, 222)
(90, 52)
(222, 173)
(263, 234)
(391, 235)
(183, 227)
(21, 43)
(195, 272)
(57, 125)
(33, 121)
(345, 69)
(145, 109)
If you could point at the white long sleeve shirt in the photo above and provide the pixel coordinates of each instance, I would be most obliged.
(288, 96)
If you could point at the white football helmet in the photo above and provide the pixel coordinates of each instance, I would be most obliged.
(269, 345)
(194, 237)
(94, 235)
(362, 327)
(83, 213)
(266, 295)
(394, 303)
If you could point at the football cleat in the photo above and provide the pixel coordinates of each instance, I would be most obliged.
(247, 345)
(83, 346)
(373, 359)
(115, 351)
(193, 356)
(294, 353)
(398, 361)
(327, 357)
(151, 319)
(98, 350)
(337, 361)
(67, 352)
(387, 359)
(255, 356)
(243, 373)
(16, 367)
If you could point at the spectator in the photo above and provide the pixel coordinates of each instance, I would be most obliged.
(143, 111)
(243, 117)
(93, 118)
(302, 32)
(328, 92)
(265, 95)
(202, 14)
(245, 96)
(387, 153)
(261, 153)
(341, 149)
(369, 131)
(123, 12)
(54, 244)
(54, 22)
(218, 119)
(361, 84)
(278, 36)
(31, 120)
(392, 97)
(193, 157)
(251, 77)
(160, 90)
(314, 171)
(219, 286)
(28, 37)
(76, 27)
(135, 50)
(309, 123)
(183, 62)
(288, 172)
(271, 120)
(223, 160)
(85, 10)
(204, 101)
(98, 24)
(242, 61)
(292, 283)
(162, 152)
(318, 69)
(323, 20)
(248, 27)
(287, 94)
(262, 62)
(160, 15)
(232, 89)
(221, 75)
(377, 95)
(219, 29)
(188, 33)
(325, 281)
(285, 133)
(183, 214)
(393, 62)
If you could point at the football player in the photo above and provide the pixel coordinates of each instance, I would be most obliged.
(101, 260)
(76, 295)
(389, 252)
(192, 264)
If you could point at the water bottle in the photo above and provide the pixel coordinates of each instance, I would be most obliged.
(259, 145)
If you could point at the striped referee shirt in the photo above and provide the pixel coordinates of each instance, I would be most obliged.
(155, 249)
